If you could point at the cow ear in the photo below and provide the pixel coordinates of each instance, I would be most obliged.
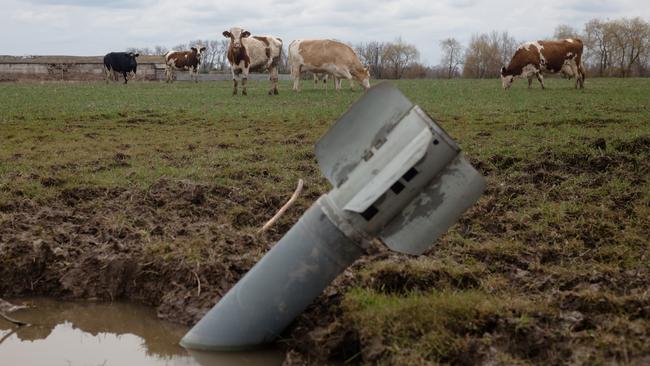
(136, 55)
(202, 49)
(227, 34)
(194, 49)
(245, 34)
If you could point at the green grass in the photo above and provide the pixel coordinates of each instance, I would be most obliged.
(561, 233)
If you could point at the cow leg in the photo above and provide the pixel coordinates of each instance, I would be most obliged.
(576, 73)
(125, 77)
(295, 74)
(234, 81)
(274, 80)
(244, 82)
(581, 72)
(530, 82)
(541, 79)
(196, 74)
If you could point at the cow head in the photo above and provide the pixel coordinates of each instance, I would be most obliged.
(365, 82)
(362, 76)
(198, 50)
(236, 35)
(133, 64)
(506, 80)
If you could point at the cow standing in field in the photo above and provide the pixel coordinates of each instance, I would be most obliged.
(183, 60)
(326, 56)
(533, 58)
(121, 62)
(256, 54)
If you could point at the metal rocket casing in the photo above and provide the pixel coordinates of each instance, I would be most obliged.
(396, 175)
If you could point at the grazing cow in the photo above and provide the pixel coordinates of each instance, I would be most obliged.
(321, 76)
(533, 58)
(122, 62)
(256, 54)
(183, 60)
(324, 77)
(326, 56)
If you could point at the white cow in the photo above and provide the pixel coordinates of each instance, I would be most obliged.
(256, 53)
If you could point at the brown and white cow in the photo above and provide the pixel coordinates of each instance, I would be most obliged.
(533, 58)
(326, 56)
(256, 54)
(183, 60)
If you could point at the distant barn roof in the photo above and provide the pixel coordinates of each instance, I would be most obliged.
(4, 59)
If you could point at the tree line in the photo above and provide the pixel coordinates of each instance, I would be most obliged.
(619, 47)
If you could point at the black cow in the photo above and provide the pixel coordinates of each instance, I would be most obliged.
(122, 62)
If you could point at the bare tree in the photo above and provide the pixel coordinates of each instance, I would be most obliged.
(618, 47)
(398, 56)
(371, 55)
(565, 31)
(223, 54)
(487, 53)
(211, 55)
(598, 40)
(451, 56)
(142, 51)
(160, 50)
(180, 47)
(507, 46)
(630, 37)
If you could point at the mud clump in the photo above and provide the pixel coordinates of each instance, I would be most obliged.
(639, 145)
(52, 182)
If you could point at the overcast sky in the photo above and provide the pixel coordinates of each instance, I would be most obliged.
(95, 27)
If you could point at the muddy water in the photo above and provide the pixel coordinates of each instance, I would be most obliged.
(94, 334)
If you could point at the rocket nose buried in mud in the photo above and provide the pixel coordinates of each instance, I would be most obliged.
(396, 175)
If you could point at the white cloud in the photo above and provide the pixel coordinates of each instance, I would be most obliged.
(82, 27)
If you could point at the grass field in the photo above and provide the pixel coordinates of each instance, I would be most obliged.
(154, 192)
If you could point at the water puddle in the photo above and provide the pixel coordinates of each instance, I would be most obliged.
(97, 334)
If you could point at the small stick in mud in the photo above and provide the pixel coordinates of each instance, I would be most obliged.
(198, 281)
(12, 320)
(284, 208)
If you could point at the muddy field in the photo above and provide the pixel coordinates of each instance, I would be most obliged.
(154, 193)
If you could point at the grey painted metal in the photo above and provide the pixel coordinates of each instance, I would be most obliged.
(397, 175)
(278, 288)
(347, 142)
(435, 209)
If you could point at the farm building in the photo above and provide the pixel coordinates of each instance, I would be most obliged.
(90, 68)
(71, 68)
